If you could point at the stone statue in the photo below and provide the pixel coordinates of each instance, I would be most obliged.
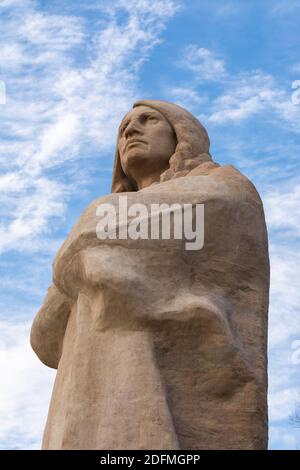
(157, 346)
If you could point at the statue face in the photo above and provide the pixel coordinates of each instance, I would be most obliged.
(146, 141)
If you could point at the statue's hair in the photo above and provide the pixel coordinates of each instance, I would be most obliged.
(192, 146)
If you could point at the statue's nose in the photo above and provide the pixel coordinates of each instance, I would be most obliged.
(134, 127)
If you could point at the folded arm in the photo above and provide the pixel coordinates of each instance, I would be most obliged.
(48, 329)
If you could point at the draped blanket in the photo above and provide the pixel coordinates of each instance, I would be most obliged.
(157, 346)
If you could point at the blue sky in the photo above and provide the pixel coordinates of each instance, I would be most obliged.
(71, 70)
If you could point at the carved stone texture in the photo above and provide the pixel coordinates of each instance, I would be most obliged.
(157, 346)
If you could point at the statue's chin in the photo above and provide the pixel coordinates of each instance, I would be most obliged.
(134, 159)
(136, 152)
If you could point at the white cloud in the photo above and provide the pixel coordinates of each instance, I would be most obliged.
(30, 213)
(25, 390)
(56, 137)
(284, 296)
(282, 208)
(11, 3)
(243, 95)
(188, 98)
(255, 93)
(282, 403)
(60, 108)
(282, 211)
(283, 438)
(205, 64)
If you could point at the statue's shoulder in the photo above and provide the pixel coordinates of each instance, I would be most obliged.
(228, 180)
(82, 233)
(87, 219)
(91, 209)
(241, 181)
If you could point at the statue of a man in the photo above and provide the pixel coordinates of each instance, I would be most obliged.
(157, 346)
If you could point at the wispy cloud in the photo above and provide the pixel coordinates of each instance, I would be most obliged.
(245, 96)
(68, 81)
(282, 209)
(242, 95)
(205, 64)
(285, 296)
(188, 97)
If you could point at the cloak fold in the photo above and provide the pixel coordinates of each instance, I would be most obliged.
(157, 347)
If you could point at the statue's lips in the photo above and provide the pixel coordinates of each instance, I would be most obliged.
(134, 142)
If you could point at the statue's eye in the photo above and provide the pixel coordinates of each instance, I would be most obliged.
(152, 118)
(123, 128)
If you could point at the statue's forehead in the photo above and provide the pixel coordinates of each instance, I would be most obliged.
(137, 111)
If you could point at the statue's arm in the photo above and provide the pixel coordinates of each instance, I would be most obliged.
(48, 328)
